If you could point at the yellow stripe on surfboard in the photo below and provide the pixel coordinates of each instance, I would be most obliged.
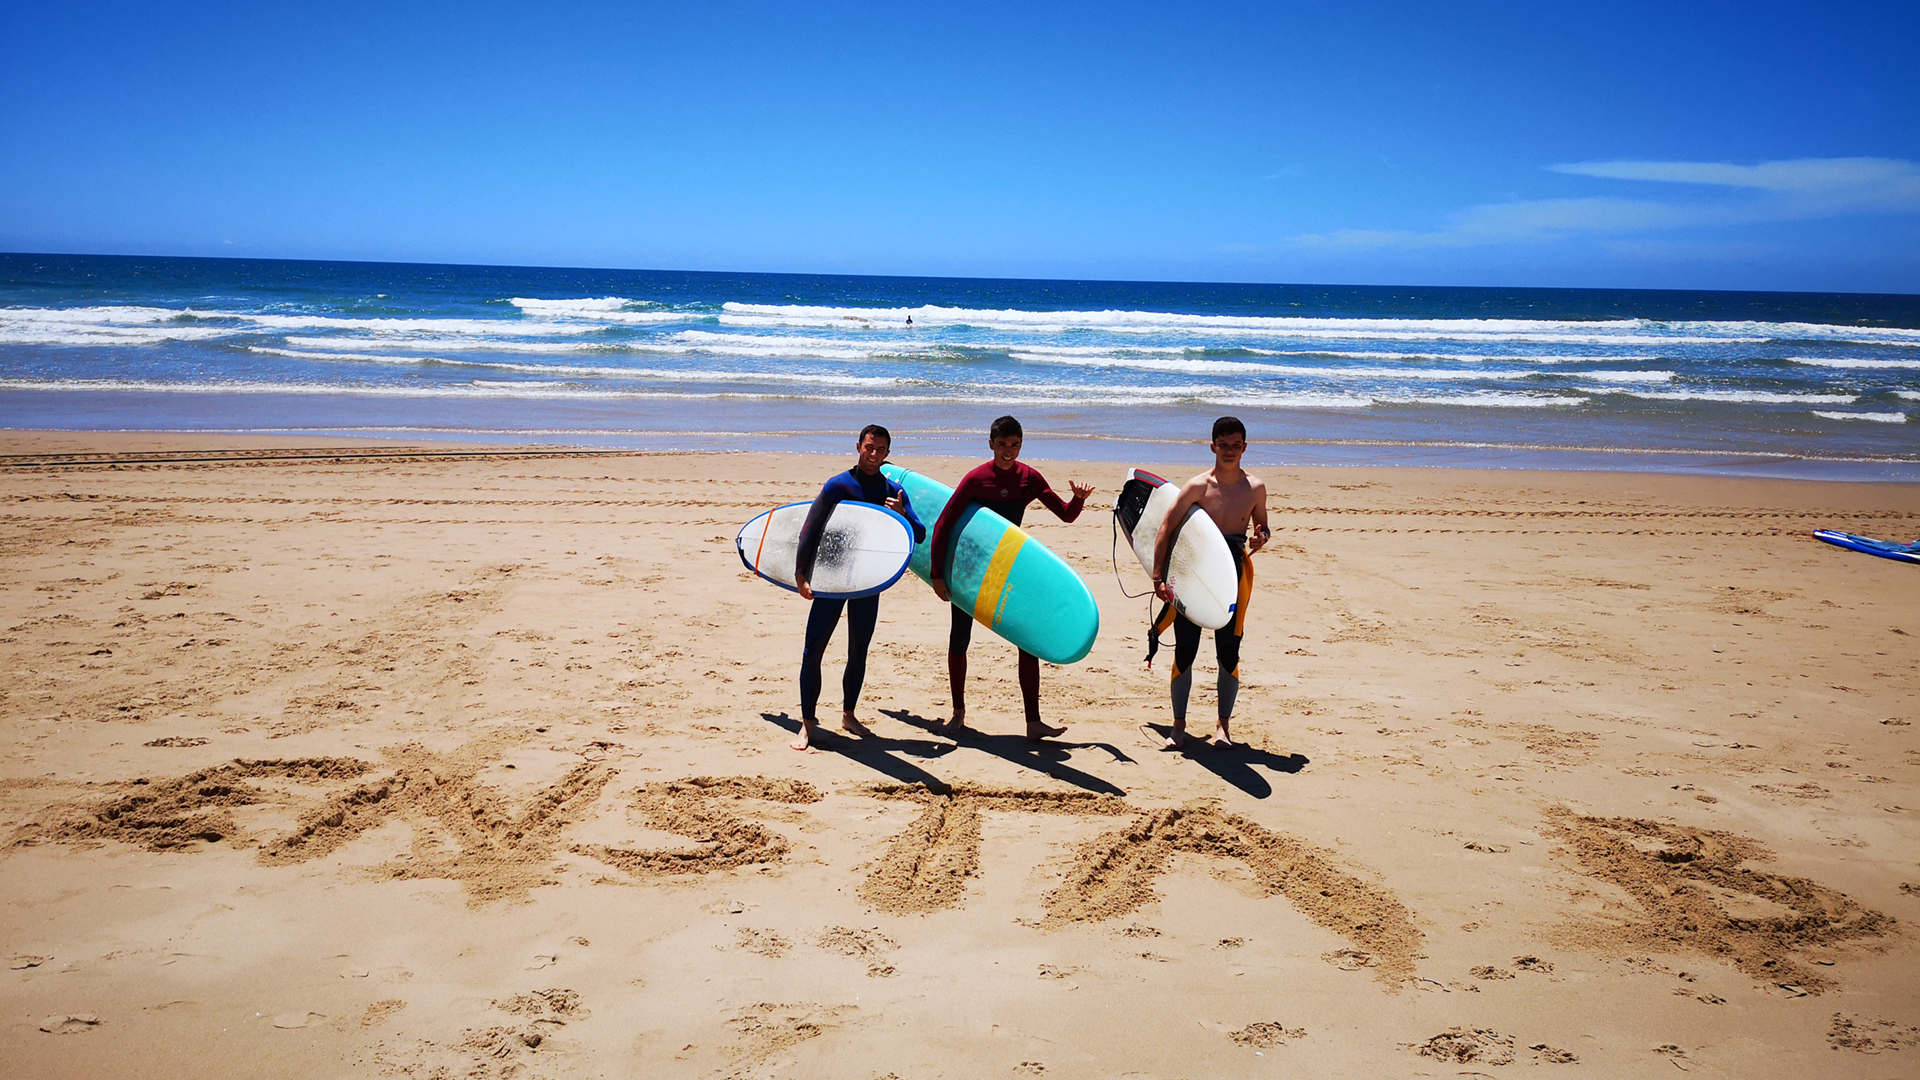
(987, 605)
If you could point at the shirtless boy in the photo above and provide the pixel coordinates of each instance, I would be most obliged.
(1004, 486)
(1232, 498)
(862, 483)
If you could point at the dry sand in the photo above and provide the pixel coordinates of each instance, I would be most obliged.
(369, 762)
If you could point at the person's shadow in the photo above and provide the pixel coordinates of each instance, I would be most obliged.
(1049, 756)
(874, 752)
(1235, 763)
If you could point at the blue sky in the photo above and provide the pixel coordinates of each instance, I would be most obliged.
(1665, 145)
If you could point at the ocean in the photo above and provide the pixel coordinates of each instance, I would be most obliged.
(1758, 384)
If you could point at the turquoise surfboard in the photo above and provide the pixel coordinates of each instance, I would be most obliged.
(1011, 583)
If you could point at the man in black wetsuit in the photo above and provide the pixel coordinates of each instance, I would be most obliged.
(862, 483)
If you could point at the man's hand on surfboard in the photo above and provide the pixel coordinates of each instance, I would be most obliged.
(939, 588)
(1163, 590)
(805, 587)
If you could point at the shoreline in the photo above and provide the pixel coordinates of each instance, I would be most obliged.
(1270, 454)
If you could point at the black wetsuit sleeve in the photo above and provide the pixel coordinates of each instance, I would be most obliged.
(830, 496)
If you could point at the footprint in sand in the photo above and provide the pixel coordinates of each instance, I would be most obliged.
(69, 1023)
(380, 1010)
(766, 943)
(1468, 1046)
(1349, 959)
(869, 945)
(295, 1020)
(1266, 1034)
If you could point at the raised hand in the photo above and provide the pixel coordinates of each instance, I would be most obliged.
(1080, 490)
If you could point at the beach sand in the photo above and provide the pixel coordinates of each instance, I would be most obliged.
(364, 762)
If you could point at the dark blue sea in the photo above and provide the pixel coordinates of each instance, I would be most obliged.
(1776, 384)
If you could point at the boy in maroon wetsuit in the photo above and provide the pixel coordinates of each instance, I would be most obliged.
(1004, 486)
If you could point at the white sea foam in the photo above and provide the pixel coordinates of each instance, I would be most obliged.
(456, 344)
(114, 314)
(657, 374)
(986, 394)
(942, 316)
(108, 335)
(1616, 376)
(201, 322)
(1250, 368)
(1910, 395)
(1882, 417)
(737, 345)
(604, 303)
(1585, 331)
(1284, 330)
(1744, 397)
(1889, 335)
(489, 327)
(1859, 362)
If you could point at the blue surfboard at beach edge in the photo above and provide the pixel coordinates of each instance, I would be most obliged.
(1907, 553)
(1011, 583)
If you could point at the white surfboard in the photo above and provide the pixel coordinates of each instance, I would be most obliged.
(864, 549)
(1200, 570)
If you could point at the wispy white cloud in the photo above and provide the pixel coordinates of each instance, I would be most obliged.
(1806, 189)
(1803, 175)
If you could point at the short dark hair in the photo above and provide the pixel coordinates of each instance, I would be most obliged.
(1228, 425)
(1005, 426)
(873, 429)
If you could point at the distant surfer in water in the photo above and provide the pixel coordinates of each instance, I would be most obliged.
(862, 483)
(1004, 486)
(1234, 499)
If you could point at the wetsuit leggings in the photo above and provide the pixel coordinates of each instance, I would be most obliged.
(959, 636)
(861, 615)
(1226, 643)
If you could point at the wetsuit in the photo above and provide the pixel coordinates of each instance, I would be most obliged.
(1226, 640)
(850, 486)
(1007, 493)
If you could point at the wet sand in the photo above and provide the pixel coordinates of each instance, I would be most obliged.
(333, 758)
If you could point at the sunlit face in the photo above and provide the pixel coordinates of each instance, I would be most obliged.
(1228, 448)
(873, 452)
(1006, 450)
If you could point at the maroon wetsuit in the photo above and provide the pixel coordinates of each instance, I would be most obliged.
(1005, 492)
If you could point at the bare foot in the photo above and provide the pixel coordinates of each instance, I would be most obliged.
(1036, 732)
(1177, 738)
(1222, 740)
(806, 736)
(852, 726)
(957, 726)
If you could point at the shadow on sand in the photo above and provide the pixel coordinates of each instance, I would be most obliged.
(1049, 757)
(874, 752)
(1235, 763)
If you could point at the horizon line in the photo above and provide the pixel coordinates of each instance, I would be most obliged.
(954, 277)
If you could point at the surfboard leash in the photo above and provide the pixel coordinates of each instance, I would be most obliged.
(1118, 580)
(1154, 644)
